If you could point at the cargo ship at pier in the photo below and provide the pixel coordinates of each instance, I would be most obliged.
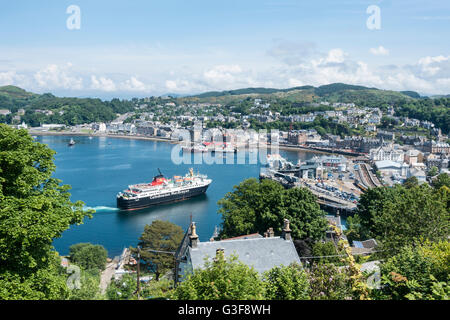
(162, 190)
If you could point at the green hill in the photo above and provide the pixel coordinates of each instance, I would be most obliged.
(336, 92)
(16, 92)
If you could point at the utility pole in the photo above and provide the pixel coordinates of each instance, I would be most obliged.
(174, 261)
(138, 271)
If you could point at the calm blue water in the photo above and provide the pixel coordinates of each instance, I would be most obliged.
(99, 168)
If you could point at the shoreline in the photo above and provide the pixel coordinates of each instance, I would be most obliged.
(136, 137)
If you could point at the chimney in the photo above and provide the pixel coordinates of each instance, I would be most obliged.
(193, 237)
(286, 230)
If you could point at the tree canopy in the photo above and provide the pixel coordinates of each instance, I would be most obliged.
(418, 272)
(88, 256)
(256, 206)
(400, 216)
(222, 279)
(34, 210)
(160, 236)
(287, 283)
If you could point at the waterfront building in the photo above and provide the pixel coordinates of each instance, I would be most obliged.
(413, 157)
(388, 152)
(359, 144)
(392, 168)
(297, 137)
(437, 147)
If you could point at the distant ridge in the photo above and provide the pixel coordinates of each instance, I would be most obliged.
(319, 91)
(15, 92)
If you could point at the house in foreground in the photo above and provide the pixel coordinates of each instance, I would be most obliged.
(261, 253)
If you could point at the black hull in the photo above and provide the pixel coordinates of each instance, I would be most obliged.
(136, 204)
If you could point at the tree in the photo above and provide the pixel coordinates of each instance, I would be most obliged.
(34, 210)
(222, 279)
(415, 272)
(160, 236)
(441, 180)
(328, 282)
(122, 289)
(89, 287)
(433, 171)
(256, 206)
(399, 216)
(287, 283)
(411, 182)
(326, 249)
(354, 228)
(88, 256)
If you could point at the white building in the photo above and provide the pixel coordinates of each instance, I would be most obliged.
(392, 168)
(387, 153)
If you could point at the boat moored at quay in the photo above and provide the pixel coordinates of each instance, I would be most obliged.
(162, 190)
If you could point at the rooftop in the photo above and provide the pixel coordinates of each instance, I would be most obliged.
(261, 253)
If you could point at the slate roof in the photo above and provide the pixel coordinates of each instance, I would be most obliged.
(261, 253)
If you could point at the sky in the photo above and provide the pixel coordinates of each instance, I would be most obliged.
(142, 48)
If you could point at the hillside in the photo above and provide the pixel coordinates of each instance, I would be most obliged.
(15, 92)
(336, 92)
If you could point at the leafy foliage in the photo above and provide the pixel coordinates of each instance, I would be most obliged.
(328, 282)
(287, 283)
(417, 272)
(433, 110)
(124, 288)
(88, 256)
(441, 180)
(256, 206)
(400, 216)
(222, 280)
(326, 249)
(160, 236)
(89, 287)
(34, 210)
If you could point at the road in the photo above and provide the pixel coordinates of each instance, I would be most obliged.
(106, 276)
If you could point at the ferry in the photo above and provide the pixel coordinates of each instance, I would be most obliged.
(162, 190)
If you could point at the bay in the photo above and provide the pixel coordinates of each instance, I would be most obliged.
(98, 168)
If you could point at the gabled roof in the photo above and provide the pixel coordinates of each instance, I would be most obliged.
(247, 236)
(261, 253)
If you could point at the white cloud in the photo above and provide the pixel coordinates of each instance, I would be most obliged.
(380, 51)
(55, 76)
(431, 66)
(103, 84)
(427, 75)
(222, 73)
(133, 84)
(335, 56)
(9, 78)
(171, 85)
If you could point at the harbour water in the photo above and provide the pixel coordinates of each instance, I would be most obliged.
(100, 167)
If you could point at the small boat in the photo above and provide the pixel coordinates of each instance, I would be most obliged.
(71, 143)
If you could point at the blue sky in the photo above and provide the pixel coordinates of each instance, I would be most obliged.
(142, 48)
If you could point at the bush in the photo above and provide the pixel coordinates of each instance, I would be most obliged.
(88, 256)
(222, 280)
(122, 289)
(416, 272)
(328, 282)
(287, 283)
